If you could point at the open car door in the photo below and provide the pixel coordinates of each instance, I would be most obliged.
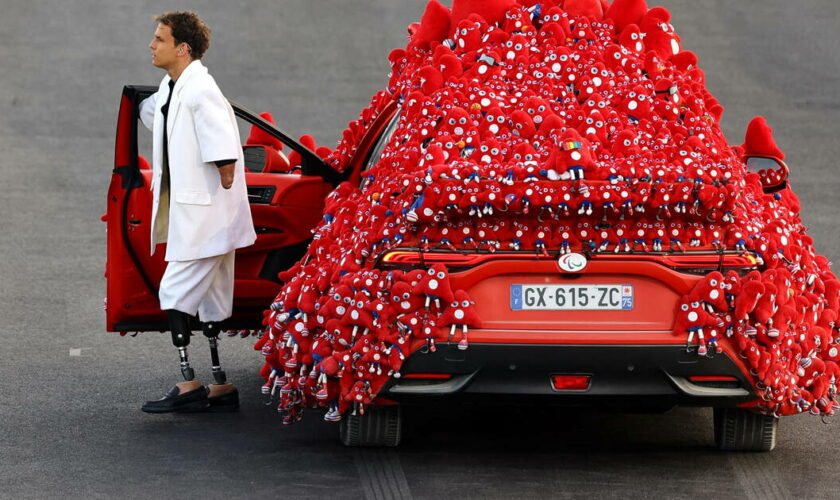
(285, 206)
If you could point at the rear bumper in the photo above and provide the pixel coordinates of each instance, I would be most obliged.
(619, 374)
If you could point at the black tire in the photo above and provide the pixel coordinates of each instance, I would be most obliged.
(379, 426)
(741, 430)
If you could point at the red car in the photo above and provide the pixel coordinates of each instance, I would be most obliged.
(557, 328)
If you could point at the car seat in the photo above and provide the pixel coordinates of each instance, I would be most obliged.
(264, 152)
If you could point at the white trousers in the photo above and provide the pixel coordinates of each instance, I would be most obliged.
(203, 286)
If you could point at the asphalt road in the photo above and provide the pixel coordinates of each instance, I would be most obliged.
(70, 393)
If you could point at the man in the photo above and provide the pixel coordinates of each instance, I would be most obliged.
(200, 202)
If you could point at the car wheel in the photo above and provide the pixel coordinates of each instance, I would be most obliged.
(741, 430)
(379, 426)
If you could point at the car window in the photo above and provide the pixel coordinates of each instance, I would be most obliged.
(384, 139)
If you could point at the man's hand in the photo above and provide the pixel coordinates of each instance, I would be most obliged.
(226, 175)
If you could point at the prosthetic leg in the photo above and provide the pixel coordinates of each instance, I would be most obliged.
(179, 325)
(211, 330)
(222, 395)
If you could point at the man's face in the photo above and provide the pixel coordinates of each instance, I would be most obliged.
(163, 48)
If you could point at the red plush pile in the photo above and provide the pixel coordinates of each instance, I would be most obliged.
(561, 125)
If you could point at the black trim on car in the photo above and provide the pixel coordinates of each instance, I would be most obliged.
(631, 371)
(311, 163)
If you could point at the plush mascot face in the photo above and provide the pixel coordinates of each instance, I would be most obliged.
(467, 37)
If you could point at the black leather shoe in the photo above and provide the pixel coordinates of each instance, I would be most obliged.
(225, 402)
(174, 401)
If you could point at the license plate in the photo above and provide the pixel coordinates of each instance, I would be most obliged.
(571, 297)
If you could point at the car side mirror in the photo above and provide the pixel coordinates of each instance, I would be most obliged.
(772, 172)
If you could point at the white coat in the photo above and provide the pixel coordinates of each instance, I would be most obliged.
(203, 219)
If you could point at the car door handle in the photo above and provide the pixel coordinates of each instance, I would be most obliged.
(261, 195)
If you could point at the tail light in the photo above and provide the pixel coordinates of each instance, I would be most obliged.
(716, 381)
(702, 264)
(570, 382)
(427, 376)
(691, 263)
(713, 378)
(453, 260)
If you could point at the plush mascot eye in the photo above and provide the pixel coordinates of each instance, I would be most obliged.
(465, 303)
(441, 275)
(500, 119)
(684, 307)
(695, 304)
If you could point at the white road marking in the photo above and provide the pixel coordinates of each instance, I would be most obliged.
(78, 352)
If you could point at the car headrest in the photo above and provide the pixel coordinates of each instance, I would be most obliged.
(265, 159)
(259, 136)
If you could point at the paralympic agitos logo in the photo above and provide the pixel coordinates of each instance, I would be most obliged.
(572, 262)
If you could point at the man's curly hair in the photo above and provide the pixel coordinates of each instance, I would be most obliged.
(187, 27)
